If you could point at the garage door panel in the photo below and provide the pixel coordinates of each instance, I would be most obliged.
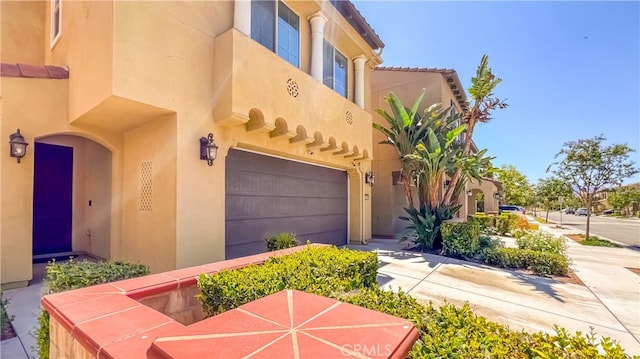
(271, 207)
(267, 195)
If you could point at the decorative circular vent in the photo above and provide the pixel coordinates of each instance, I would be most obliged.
(349, 117)
(292, 88)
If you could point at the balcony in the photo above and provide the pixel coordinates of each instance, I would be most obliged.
(257, 89)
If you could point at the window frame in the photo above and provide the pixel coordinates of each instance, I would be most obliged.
(56, 21)
(327, 45)
(275, 26)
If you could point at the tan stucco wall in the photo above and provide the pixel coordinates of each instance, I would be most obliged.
(22, 32)
(388, 200)
(85, 45)
(34, 106)
(146, 81)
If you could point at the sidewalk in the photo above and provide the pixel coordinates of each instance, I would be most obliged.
(610, 301)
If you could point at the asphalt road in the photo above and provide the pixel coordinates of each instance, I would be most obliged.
(619, 230)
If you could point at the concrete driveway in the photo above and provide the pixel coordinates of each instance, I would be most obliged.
(610, 301)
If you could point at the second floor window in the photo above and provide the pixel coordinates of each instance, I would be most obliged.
(55, 19)
(277, 28)
(335, 69)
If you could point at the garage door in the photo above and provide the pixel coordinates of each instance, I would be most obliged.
(267, 195)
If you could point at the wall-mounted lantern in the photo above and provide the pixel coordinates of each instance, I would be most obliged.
(208, 149)
(497, 196)
(469, 193)
(369, 178)
(18, 147)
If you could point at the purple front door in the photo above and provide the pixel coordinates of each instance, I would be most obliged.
(52, 189)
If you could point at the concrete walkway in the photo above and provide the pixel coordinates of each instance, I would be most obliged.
(610, 301)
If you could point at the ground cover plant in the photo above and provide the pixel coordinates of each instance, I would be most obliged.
(63, 276)
(594, 241)
(445, 332)
(6, 329)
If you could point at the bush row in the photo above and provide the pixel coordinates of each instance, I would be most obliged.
(541, 263)
(540, 241)
(320, 270)
(62, 276)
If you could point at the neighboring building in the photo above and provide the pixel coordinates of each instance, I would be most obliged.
(442, 86)
(115, 119)
(601, 199)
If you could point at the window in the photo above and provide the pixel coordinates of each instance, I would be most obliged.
(335, 69)
(281, 36)
(56, 13)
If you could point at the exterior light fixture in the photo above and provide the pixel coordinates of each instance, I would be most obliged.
(208, 149)
(469, 193)
(369, 178)
(17, 145)
(496, 195)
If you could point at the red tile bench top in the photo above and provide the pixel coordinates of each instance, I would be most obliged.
(109, 322)
(291, 324)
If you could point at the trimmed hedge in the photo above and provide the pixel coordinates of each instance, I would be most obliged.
(460, 239)
(541, 263)
(63, 276)
(540, 241)
(281, 241)
(506, 222)
(321, 270)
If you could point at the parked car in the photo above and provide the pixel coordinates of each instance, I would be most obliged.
(608, 211)
(510, 208)
(581, 212)
(569, 211)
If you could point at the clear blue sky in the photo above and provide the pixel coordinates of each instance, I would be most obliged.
(570, 70)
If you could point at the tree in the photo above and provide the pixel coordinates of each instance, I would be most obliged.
(516, 189)
(589, 166)
(481, 105)
(549, 190)
(623, 199)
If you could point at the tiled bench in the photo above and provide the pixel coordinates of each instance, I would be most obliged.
(157, 316)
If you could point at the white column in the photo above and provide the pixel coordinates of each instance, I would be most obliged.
(242, 16)
(317, 21)
(358, 65)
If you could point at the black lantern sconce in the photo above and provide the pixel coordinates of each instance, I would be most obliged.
(369, 178)
(208, 149)
(469, 193)
(497, 196)
(17, 145)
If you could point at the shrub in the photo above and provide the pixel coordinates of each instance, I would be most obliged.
(482, 220)
(5, 318)
(540, 241)
(281, 241)
(541, 263)
(506, 222)
(62, 276)
(320, 270)
(522, 223)
(460, 239)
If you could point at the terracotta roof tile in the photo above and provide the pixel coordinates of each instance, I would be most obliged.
(415, 69)
(34, 71)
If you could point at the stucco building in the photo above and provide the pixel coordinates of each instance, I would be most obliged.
(441, 86)
(116, 98)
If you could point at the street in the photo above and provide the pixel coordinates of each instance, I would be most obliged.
(619, 230)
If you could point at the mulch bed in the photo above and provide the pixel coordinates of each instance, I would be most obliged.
(7, 331)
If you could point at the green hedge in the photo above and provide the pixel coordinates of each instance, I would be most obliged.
(540, 241)
(457, 332)
(63, 276)
(460, 239)
(321, 270)
(541, 263)
(506, 222)
(281, 241)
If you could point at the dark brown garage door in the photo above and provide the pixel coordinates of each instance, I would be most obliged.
(267, 195)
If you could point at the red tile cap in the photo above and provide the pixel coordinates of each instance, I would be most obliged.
(34, 71)
(10, 70)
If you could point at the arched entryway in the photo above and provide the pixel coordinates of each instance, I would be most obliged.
(71, 197)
